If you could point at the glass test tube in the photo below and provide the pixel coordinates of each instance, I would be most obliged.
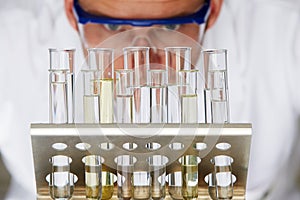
(158, 96)
(137, 59)
(188, 90)
(101, 60)
(177, 59)
(125, 167)
(223, 176)
(60, 179)
(141, 182)
(189, 171)
(124, 95)
(93, 185)
(108, 180)
(216, 87)
(61, 86)
(157, 164)
(91, 99)
(174, 185)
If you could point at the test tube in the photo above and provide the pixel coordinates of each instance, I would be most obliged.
(101, 60)
(216, 87)
(60, 179)
(223, 176)
(157, 164)
(141, 181)
(174, 185)
(108, 180)
(124, 95)
(91, 99)
(137, 59)
(158, 96)
(177, 59)
(93, 185)
(188, 90)
(189, 171)
(125, 168)
(61, 86)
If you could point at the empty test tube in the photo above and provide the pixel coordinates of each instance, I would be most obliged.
(216, 86)
(61, 86)
(60, 178)
(189, 171)
(177, 59)
(124, 96)
(158, 96)
(101, 60)
(137, 59)
(93, 184)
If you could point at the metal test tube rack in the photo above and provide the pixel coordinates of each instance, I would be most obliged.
(43, 136)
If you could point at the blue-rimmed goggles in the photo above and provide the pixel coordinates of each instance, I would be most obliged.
(199, 17)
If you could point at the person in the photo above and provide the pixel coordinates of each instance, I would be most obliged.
(263, 39)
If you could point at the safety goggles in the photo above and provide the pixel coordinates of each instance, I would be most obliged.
(199, 17)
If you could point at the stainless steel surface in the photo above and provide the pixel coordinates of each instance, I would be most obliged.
(45, 135)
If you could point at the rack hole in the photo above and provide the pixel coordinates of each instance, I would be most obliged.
(200, 146)
(59, 146)
(106, 146)
(222, 160)
(208, 178)
(176, 146)
(153, 146)
(83, 146)
(93, 156)
(130, 146)
(223, 146)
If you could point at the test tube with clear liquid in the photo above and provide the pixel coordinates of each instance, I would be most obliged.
(216, 86)
(177, 59)
(141, 181)
(93, 184)
(175, 185)
(223, 176)
(157, 164)
(101, 60)
(124, 96)
(61, 86)
(91, 98)
(189, 171)
(137, 59)
(158, 96)
(60, 179)
(125, 168)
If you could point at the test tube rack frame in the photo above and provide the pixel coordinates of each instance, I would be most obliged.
(43, 136)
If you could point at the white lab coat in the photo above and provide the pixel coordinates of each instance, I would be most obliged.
(263, 39)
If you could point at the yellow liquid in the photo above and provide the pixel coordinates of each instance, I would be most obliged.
(107, 192)
(106, 100)
(92, 192)
(189, 181)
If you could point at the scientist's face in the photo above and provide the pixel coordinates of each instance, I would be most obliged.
(156, 36)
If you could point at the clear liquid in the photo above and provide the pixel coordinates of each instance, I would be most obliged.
(141, 105)
(212, 192)
(106, 101)
(189, 108)
(58, 103)
(141, 192)
(61, 192)
(124, 108)
(175, 192)
(158, 104)
(207, 106)
(219, 111)
(124, 184)
(158, 178)
(173, 105)
(224, 183)
(224, 192)
(91, 108)
(189, 181)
